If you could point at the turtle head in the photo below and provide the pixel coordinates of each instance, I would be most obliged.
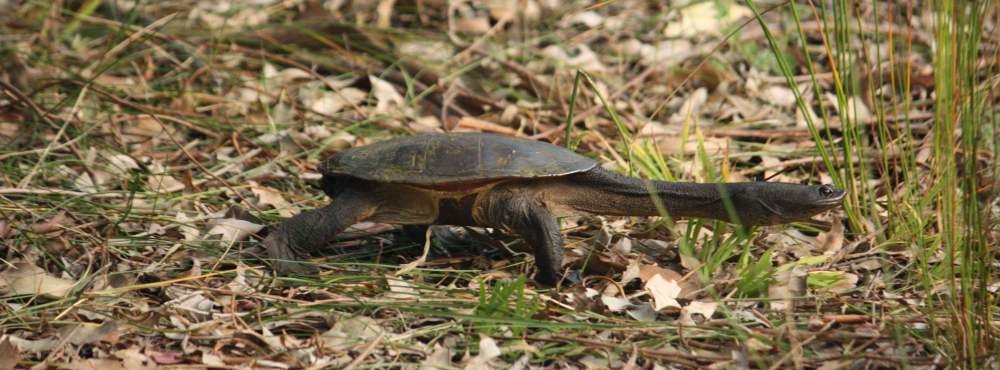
(769, 203)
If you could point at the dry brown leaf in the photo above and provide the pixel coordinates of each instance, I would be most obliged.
(648, 271)
(8, 129)
(4, 229)
(832, 242)
(474, 26)
(57, 223)
(95, 363)
(26, 278)
(273, 198)
(9, 355)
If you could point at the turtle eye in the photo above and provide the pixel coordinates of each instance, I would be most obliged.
(825, 190)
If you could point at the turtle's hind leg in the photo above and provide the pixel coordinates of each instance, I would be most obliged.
(292, 241)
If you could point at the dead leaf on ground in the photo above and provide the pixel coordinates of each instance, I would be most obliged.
(8, 129)
(791, 283)
(488, 350)
(9, 355)
(663, 291)
(273, 198)
(704, 308)
(233, 230)
(836, 282)
(57, 223)
(386, 96)
(831, 242)
(95, 363)
(26, 278)
(439, 359)
(350, 331)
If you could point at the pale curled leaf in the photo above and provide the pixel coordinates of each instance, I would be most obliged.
(26, 278)
(705, 309)
(488, 350)
(233, 230)
(664, 292)
(615, 304)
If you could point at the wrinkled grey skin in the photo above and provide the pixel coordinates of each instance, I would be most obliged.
(526, 206)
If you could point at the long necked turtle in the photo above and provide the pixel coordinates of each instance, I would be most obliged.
(516, 185)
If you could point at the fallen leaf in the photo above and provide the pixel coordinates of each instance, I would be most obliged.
(632, 272)
(791, 283)
(273, 198)
(488, 350)
(233, 230)
(167, 358)
(386, 96)
(643, 312)
(26, 278)
(705, 309)
(119, 164)
(330, 102)
(475, 25)
(95, 363)
(9, 355)
(57, 223)
(778, 95)
(439, 359)
(351, 330)
(832, 242)
(8, 129)
(184, 225)
(583, 58)
(161, 182)
(832, 281)
(401, 289)
(211, 359)
(34, 346)
(663, 291)
(616, 304)
(647, 272)
(704, 18)
(84, 334)
(133, 358)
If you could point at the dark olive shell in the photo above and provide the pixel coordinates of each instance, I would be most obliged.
(455, 158)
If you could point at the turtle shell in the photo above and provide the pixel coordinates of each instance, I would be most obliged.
(455, 158)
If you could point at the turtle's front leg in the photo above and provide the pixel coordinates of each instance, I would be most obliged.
(292, 241)
(522, 214)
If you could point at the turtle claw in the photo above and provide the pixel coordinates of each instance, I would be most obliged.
(284, 258)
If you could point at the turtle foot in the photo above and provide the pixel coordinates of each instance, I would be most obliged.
(284, 259)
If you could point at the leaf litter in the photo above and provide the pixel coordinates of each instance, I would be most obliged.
(146, 263)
